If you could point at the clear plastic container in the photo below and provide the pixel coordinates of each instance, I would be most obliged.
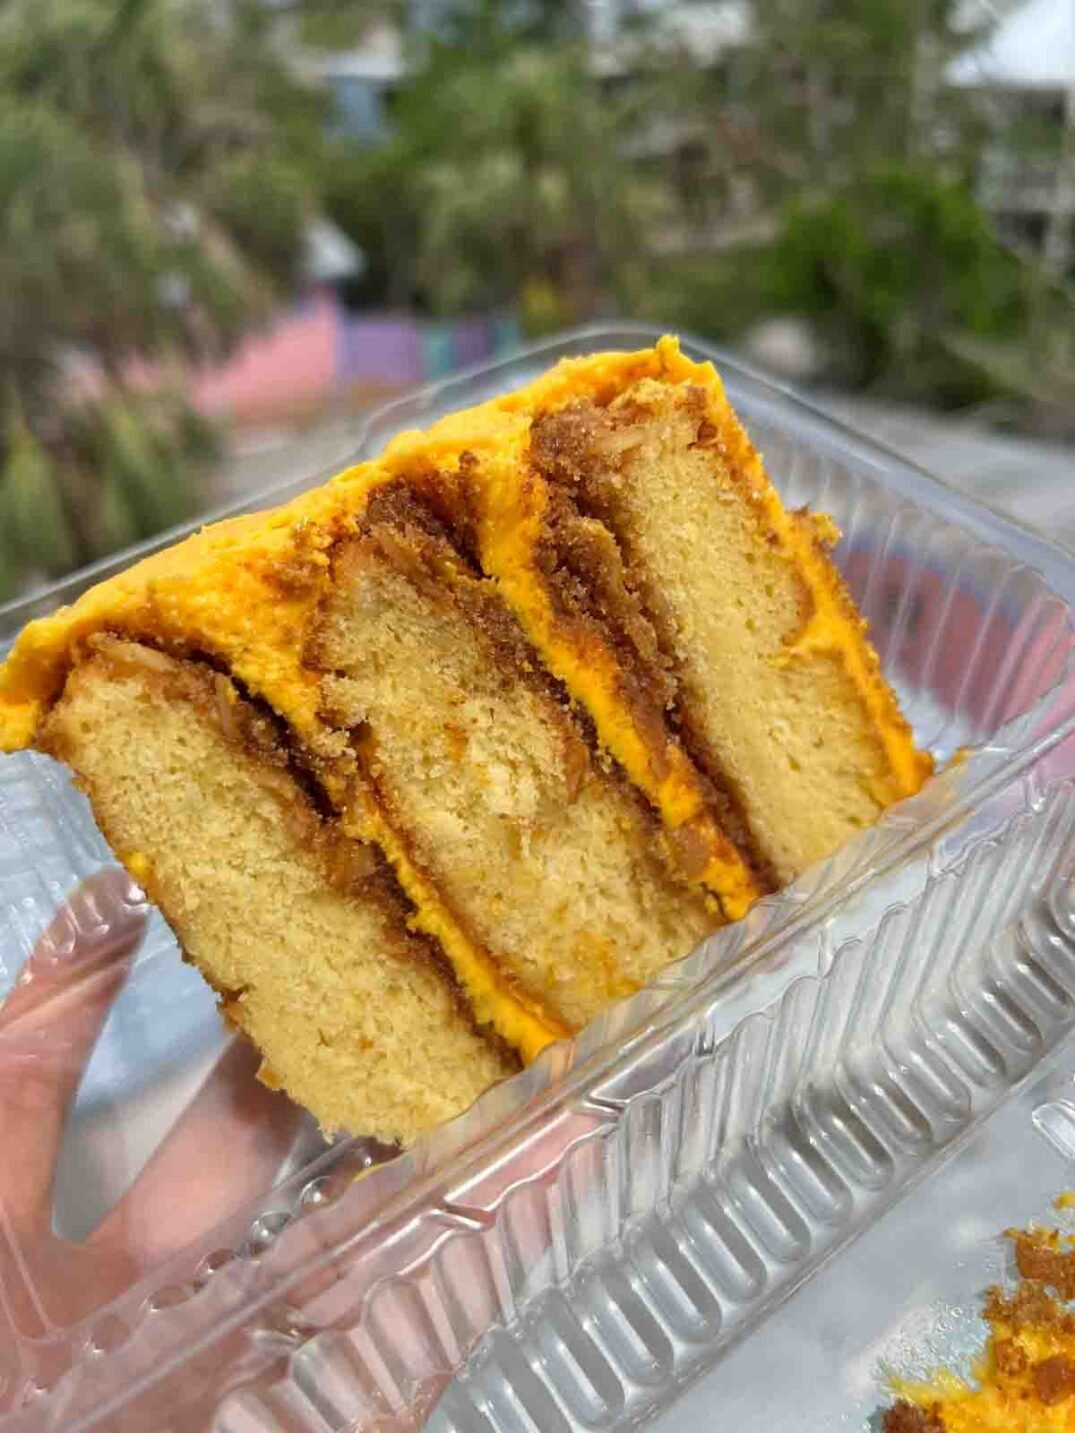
(591, 1236)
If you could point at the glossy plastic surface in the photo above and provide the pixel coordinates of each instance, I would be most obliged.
(590, 1237)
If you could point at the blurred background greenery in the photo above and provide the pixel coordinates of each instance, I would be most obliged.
(872, 196)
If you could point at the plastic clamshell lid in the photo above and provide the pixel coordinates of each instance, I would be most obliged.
(588, 1237)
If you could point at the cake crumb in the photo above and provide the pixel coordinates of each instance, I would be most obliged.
(904, 1417)
(1045, 1256)
(1054, 1379)
(1027, 1368)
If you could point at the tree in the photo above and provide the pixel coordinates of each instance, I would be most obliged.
(152, 201)
(892, 267)
(859, 164)
(504, 179)
(837, 85)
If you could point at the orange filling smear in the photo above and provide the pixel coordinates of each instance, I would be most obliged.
(510, 530)
(517, 1017)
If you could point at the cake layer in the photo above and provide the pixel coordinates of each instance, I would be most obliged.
(301, 929)
(548, 862)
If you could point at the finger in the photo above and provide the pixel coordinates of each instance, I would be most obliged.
(331, 1289)
(99, 924)
(48, 1026)
(224, 1151)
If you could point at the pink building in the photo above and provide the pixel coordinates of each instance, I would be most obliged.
(318, 353)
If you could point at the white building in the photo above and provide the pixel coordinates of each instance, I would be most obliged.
(1027, 70)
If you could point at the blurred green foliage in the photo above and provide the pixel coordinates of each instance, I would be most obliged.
(718, 295)
(821, 165)
(504, 179)
(890, 264)
(32, 516)
(154, 186)
(126, 467)
(835, 86)
(159, 160)
(861, 164)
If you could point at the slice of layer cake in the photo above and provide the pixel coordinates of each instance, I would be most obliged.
(559, 680)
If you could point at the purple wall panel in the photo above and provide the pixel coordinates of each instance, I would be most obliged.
(472, 341)
(380, 350)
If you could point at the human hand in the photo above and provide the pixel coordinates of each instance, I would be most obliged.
(222, 1152)
(218, 1159)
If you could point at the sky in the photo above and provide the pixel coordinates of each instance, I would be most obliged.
(1034, 44)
